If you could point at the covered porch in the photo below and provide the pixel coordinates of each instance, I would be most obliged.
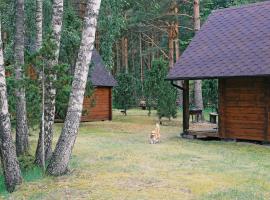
(197, 127)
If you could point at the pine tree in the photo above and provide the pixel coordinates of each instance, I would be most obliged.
(198, 100)
(124, 92)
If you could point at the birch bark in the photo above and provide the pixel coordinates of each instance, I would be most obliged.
(9, 160)
(58, 164)
(39, 28)
(22, 131)
(50, 91)
(40, 151)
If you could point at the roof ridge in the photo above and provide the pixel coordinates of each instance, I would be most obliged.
(242, 6)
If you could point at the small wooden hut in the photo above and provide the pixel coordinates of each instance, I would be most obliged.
(233, 46)
(98, 107)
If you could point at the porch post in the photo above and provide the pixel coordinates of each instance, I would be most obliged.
(185, 106)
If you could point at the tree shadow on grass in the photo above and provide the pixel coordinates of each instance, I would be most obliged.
(30, 173)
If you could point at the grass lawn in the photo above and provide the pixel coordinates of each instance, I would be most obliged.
(113, 160)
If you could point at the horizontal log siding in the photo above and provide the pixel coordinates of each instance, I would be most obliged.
(100, 109)
(244, 108)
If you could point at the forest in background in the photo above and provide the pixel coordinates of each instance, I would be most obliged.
(130, 36)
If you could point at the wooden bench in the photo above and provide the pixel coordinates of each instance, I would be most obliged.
(195, 113)
(143, 105)
(213, 117)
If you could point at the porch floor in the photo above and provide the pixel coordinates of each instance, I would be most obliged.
(203, 130)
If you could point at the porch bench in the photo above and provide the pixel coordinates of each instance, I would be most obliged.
(213, 117)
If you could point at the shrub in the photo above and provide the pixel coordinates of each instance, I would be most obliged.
(159, 92)
(124, 92)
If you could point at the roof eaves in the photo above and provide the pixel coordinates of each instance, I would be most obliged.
(240, 7)
(214, 77)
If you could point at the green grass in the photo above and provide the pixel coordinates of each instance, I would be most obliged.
(113, 160)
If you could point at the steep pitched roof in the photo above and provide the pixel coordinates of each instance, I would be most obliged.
(233, 42)
(98, 74)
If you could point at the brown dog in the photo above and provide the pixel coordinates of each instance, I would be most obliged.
(155, 135)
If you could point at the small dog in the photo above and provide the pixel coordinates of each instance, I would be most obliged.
(155, 135)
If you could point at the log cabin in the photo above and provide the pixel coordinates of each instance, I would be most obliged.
(233, 47)
(98, 107)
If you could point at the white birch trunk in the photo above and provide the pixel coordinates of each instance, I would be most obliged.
(40, 151)
(39, 25)
(22, 131)
(9, 160)
(50, 91)
(59, 162)
(198, 100)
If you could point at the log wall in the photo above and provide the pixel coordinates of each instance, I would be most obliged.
(99, 106)
(244, 106)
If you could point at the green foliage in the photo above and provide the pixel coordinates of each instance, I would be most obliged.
(167, 106)
(159, 92)
(63, 85)
(26, 162)
(111, 22)
(7, 15)
(71, 36)
(210, 93)
(63, 89)
(32, 83)
(32, 93)
(124, 92)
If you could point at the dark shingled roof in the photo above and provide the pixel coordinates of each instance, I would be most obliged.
(98, 74)
(233, 42)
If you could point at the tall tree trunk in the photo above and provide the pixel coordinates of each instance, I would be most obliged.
(125, 53)
(50, 91)
(9, 160)
(176, 28)
(173, 34)
(97, 41)
(39, 29)
(141, 59)
(59, 162)
(171, 46)
(22, 131)
(198, 100)
(40, 151)
(5, 37)
(153, 47)
(118, 62)
(177, 47)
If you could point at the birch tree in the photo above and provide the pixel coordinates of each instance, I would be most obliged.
(39, 29)
(40, 151)
(9, 160)
(198, 100)
(59, 162)
(22, 131)
(50, 91)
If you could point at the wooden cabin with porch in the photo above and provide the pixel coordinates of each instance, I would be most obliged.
(233, 47)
